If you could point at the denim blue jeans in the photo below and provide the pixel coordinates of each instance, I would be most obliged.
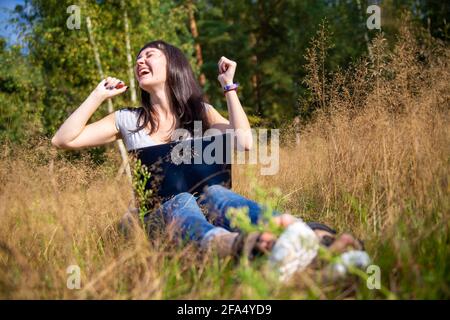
(183, 210)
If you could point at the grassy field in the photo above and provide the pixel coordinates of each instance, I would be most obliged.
(375, 161)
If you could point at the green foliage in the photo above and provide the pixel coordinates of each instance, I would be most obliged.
(141, 176)
(269, 200)
(416, 255)
(61, 71)
(21, 96)
(64, 58)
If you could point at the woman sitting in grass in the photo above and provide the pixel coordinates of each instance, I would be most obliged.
(172, 98)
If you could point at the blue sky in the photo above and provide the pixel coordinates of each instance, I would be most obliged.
(7, 30)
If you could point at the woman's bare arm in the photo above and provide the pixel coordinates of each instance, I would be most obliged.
(75, 134)
(238, 120)
(94, 134)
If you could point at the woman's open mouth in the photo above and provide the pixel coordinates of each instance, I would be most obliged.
(144, 72)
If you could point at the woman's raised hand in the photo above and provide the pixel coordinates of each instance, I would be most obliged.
(227, 68)
(110, 87)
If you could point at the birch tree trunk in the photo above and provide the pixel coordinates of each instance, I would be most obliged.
(122, 149)
(129, 58)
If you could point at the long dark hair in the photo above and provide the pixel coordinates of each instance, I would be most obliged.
(185, 92)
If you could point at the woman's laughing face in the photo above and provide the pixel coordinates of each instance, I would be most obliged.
(151, 68)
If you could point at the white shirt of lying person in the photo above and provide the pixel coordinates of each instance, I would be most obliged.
(294, 250)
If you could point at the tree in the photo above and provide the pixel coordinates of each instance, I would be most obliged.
(21, 95)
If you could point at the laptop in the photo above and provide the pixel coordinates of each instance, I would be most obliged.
(187, 165)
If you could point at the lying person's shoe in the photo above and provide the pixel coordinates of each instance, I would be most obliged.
(220, 243)
(233, 244)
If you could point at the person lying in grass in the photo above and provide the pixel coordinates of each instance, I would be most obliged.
(184, 211)
(171, 98)
(290, 244)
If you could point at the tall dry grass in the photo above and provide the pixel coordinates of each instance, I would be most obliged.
(380, 143)
(374, 161)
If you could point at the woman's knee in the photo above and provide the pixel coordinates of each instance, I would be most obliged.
(184, 195)
(181, 199)
(216, 188)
